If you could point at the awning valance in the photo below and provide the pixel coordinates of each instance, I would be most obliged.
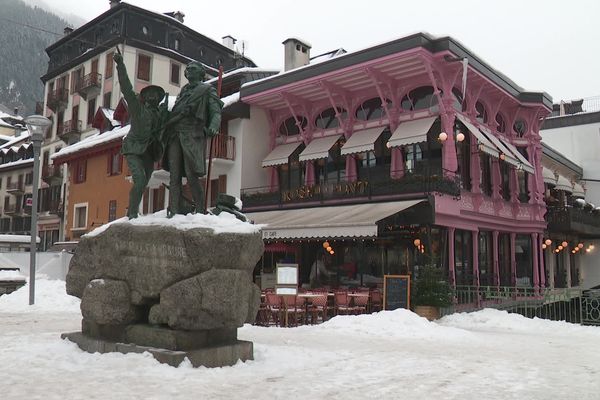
(410, 132)
(318, 148)
(578, 190)
(564, 184)
(484, 144)
(505, 153)
(358, 220)
(525, 164)
(280, 154)
(548, 176)
(362, 141)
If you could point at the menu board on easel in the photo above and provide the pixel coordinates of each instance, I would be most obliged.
(287, 279)
(396, 292)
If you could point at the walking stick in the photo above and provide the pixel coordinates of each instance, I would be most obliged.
(212, 139)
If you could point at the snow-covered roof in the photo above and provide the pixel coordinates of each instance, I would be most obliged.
(231, 99)
(14, 140)
(24, 162)
(109, 114)
(327, 56)
(244, 70)
(92, 141)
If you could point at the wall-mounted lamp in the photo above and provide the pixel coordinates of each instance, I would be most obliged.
(443, 136)
(460, 137)
(502, 156)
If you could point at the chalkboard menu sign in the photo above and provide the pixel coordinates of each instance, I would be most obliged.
(396, 292)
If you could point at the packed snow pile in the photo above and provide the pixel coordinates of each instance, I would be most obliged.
(490, 319)
(50, 296)
(222, 223)
(400, 323)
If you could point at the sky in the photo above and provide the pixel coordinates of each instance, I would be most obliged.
(542, 45)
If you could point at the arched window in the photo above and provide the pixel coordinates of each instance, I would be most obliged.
(481, 112)
(501, 123)
(327, 118)
(419, 98)
(289, 127)
(520, 127)
(371, 109)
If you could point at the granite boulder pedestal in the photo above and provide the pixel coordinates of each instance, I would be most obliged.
(176, 293)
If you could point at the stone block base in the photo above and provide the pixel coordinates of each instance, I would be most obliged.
(212, 356)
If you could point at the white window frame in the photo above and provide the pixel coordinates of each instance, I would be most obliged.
(75, 207)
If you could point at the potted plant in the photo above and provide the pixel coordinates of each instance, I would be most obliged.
(431, 291)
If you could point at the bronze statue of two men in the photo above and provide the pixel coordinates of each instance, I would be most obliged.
(178, 137)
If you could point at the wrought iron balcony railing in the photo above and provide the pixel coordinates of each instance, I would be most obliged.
(57, 99)
(89, 85)
(375, 185)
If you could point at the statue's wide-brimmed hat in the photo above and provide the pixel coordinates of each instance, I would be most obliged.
(160, 92)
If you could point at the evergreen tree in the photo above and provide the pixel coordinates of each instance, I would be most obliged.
(23, 59)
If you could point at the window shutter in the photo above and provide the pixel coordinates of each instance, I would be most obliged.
(109, 163)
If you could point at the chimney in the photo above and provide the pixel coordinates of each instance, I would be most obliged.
(297, 53)
(16, 111)
(229, 41)
(114, 3)
(67, 30)
(179, 16)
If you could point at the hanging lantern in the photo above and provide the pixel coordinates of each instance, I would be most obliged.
(443, 136)
(332, 252)
(460, 137)
(325, 244)
(580, 246)
(560, 247)
(548, 242)
(417, 242)
(544, 246)
(329, 249)
(565, 244)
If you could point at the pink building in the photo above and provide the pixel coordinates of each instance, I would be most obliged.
(407, 153)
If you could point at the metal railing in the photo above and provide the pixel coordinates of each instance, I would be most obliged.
(571, 305)
(51, 171)
(15, 187)
(580, 106)
(90, 80)
(377, 184)
(70, 127)
(56, 98)
(561, 218)
(223, 147)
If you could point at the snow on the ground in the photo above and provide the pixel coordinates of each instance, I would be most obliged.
(224, 222)
(50, 297)
(389, 355)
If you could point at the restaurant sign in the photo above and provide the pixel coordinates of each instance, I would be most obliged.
(325, 190)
